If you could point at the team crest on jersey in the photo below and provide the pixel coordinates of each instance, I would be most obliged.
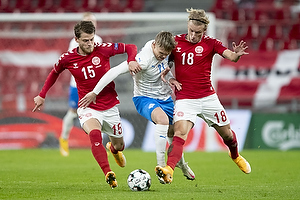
(199, 49)
(96, 60)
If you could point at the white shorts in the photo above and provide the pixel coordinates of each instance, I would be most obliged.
(110, 120)
(208, 108)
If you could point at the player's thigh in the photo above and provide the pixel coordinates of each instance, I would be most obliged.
(89, 119)
(91, 124)
(213, 111)
(186, 109)
(182, 128)
(112, 123)
(158, 116)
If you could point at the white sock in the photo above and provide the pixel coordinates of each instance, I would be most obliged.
(170, 140)
(160, 136)
(181, 161)
(68, 123)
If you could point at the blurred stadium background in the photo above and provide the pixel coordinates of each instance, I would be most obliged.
(261, 92)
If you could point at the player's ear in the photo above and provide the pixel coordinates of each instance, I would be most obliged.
(76, 39)
(153, 44)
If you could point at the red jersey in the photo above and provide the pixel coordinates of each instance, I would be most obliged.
(193, 66)
(88, 70)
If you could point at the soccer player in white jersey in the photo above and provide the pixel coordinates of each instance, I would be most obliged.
(152, 96)
(71, 115)
(192, 59)
(88, 63)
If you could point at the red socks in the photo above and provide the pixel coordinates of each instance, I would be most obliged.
(232, 145)
(99, 151)
(175, 151)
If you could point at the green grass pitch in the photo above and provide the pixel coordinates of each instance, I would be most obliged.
(44, 174)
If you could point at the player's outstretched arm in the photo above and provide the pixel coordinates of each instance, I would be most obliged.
(108, 77)
(131, 51)
(175, 83)
(38, 101)
(238, 51)
(87, 100)
(134, 67)
(164, 73)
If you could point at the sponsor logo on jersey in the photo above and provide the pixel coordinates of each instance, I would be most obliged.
(151, 105)
(96, 60)
(75, 65)
(178, 49)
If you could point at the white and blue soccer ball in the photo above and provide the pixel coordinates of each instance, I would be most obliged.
(139, 180)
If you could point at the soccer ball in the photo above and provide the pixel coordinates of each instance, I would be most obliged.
(139, 180)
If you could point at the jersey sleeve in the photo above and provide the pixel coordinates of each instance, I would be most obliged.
(143, 57)
(111, 49)
(110, 76)
(51, 79)
(143, 60)
(53, 75)
(219, 47)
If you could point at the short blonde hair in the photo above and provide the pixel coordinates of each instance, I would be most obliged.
(198, 17)
(165, 40)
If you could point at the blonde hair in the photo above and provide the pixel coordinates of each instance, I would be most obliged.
(198, 17)
(165, 40)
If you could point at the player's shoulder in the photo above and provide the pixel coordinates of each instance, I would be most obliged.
(104, 44)
(68, 55)
(146, 53)
(180, 37)
(109, 46)
(211, 39)
(147, 47)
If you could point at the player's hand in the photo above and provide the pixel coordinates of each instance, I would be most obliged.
(240, 49)
(164, 73)
(87, 99)
(175, 83)
(38, 101)
(134, 67)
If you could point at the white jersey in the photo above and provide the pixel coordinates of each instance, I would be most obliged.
(73, 44)
(148, 82)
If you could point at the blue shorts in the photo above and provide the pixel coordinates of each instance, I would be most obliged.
(145, 106)
(73, 97)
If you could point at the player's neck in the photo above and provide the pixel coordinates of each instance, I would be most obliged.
(80, 52)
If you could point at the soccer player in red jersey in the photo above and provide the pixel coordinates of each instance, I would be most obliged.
(192, 59)
(71, 115)
(88, 63)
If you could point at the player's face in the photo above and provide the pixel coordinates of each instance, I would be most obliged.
(195, 32)
(86, 43)
(159, 52)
